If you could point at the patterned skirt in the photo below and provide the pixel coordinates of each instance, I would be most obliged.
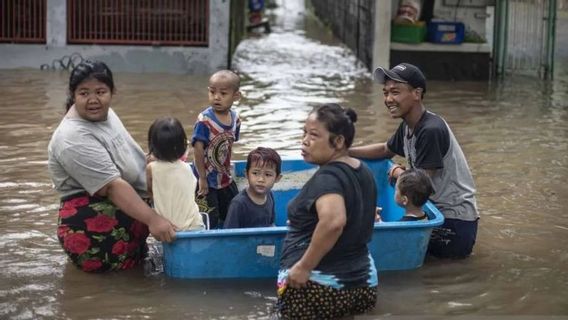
(97, 236)
(317, 301)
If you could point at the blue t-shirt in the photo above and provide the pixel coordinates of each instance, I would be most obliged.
(244, 213)
(218, 142)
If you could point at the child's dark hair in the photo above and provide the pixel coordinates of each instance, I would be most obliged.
(87, 70)
(338, 121)
(264, 156)
(416, 185)
(166, 139)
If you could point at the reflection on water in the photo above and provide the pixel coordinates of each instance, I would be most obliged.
(514, 133)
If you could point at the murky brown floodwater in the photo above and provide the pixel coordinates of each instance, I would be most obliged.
(515, 136)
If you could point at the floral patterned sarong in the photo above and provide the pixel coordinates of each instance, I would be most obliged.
(97, 236)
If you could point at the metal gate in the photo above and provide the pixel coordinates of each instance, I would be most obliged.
(22, 21)
(352, 22)
(525, 35)
(143, 22)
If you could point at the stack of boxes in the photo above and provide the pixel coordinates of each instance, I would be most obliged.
(436, 32)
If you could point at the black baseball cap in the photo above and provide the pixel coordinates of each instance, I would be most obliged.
(404, 72)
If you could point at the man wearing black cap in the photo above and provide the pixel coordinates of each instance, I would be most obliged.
(426, 141)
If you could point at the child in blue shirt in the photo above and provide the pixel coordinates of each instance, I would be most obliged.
(254, 206)
(215, 131)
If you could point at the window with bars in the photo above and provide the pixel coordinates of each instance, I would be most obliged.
(138, 22)
(23, 21)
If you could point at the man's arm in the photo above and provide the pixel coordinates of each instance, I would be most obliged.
(396, 170)
(372, 151)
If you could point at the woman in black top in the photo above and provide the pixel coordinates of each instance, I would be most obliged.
(326, 271)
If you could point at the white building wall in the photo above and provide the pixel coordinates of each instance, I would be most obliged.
(381, 46)
(184, 60)
(56, 30)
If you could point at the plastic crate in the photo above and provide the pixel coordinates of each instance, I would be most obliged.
(408, 32)
(256, 5)
(446, 32)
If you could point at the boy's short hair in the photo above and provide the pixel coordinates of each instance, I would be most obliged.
(231, 76)
(416, 185)
(264, 156)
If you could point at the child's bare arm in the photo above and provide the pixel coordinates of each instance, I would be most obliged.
(199, 160)
(149, 180)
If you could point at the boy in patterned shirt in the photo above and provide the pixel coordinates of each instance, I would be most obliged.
(215, 131)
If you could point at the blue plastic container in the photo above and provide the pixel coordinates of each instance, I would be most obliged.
(255, 252)
(446, 32)
(256, 5)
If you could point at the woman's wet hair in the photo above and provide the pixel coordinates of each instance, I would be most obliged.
(87, 70)
(338, 121)
(167, 140)
(416, 185)
(264, 157)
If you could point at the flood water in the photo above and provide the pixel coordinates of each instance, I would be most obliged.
(514, 134)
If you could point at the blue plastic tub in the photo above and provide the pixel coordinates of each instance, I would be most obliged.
(255, 252)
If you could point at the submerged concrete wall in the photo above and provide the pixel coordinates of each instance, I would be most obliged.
(123, 58)
(352, 22)
(237, 26)
(363, 25)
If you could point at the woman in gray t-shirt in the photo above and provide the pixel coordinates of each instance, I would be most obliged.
(99, 171)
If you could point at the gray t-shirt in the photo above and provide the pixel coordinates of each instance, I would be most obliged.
(433, 145)
(85, 156)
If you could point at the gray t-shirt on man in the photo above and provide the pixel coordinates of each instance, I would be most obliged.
(433, 145)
